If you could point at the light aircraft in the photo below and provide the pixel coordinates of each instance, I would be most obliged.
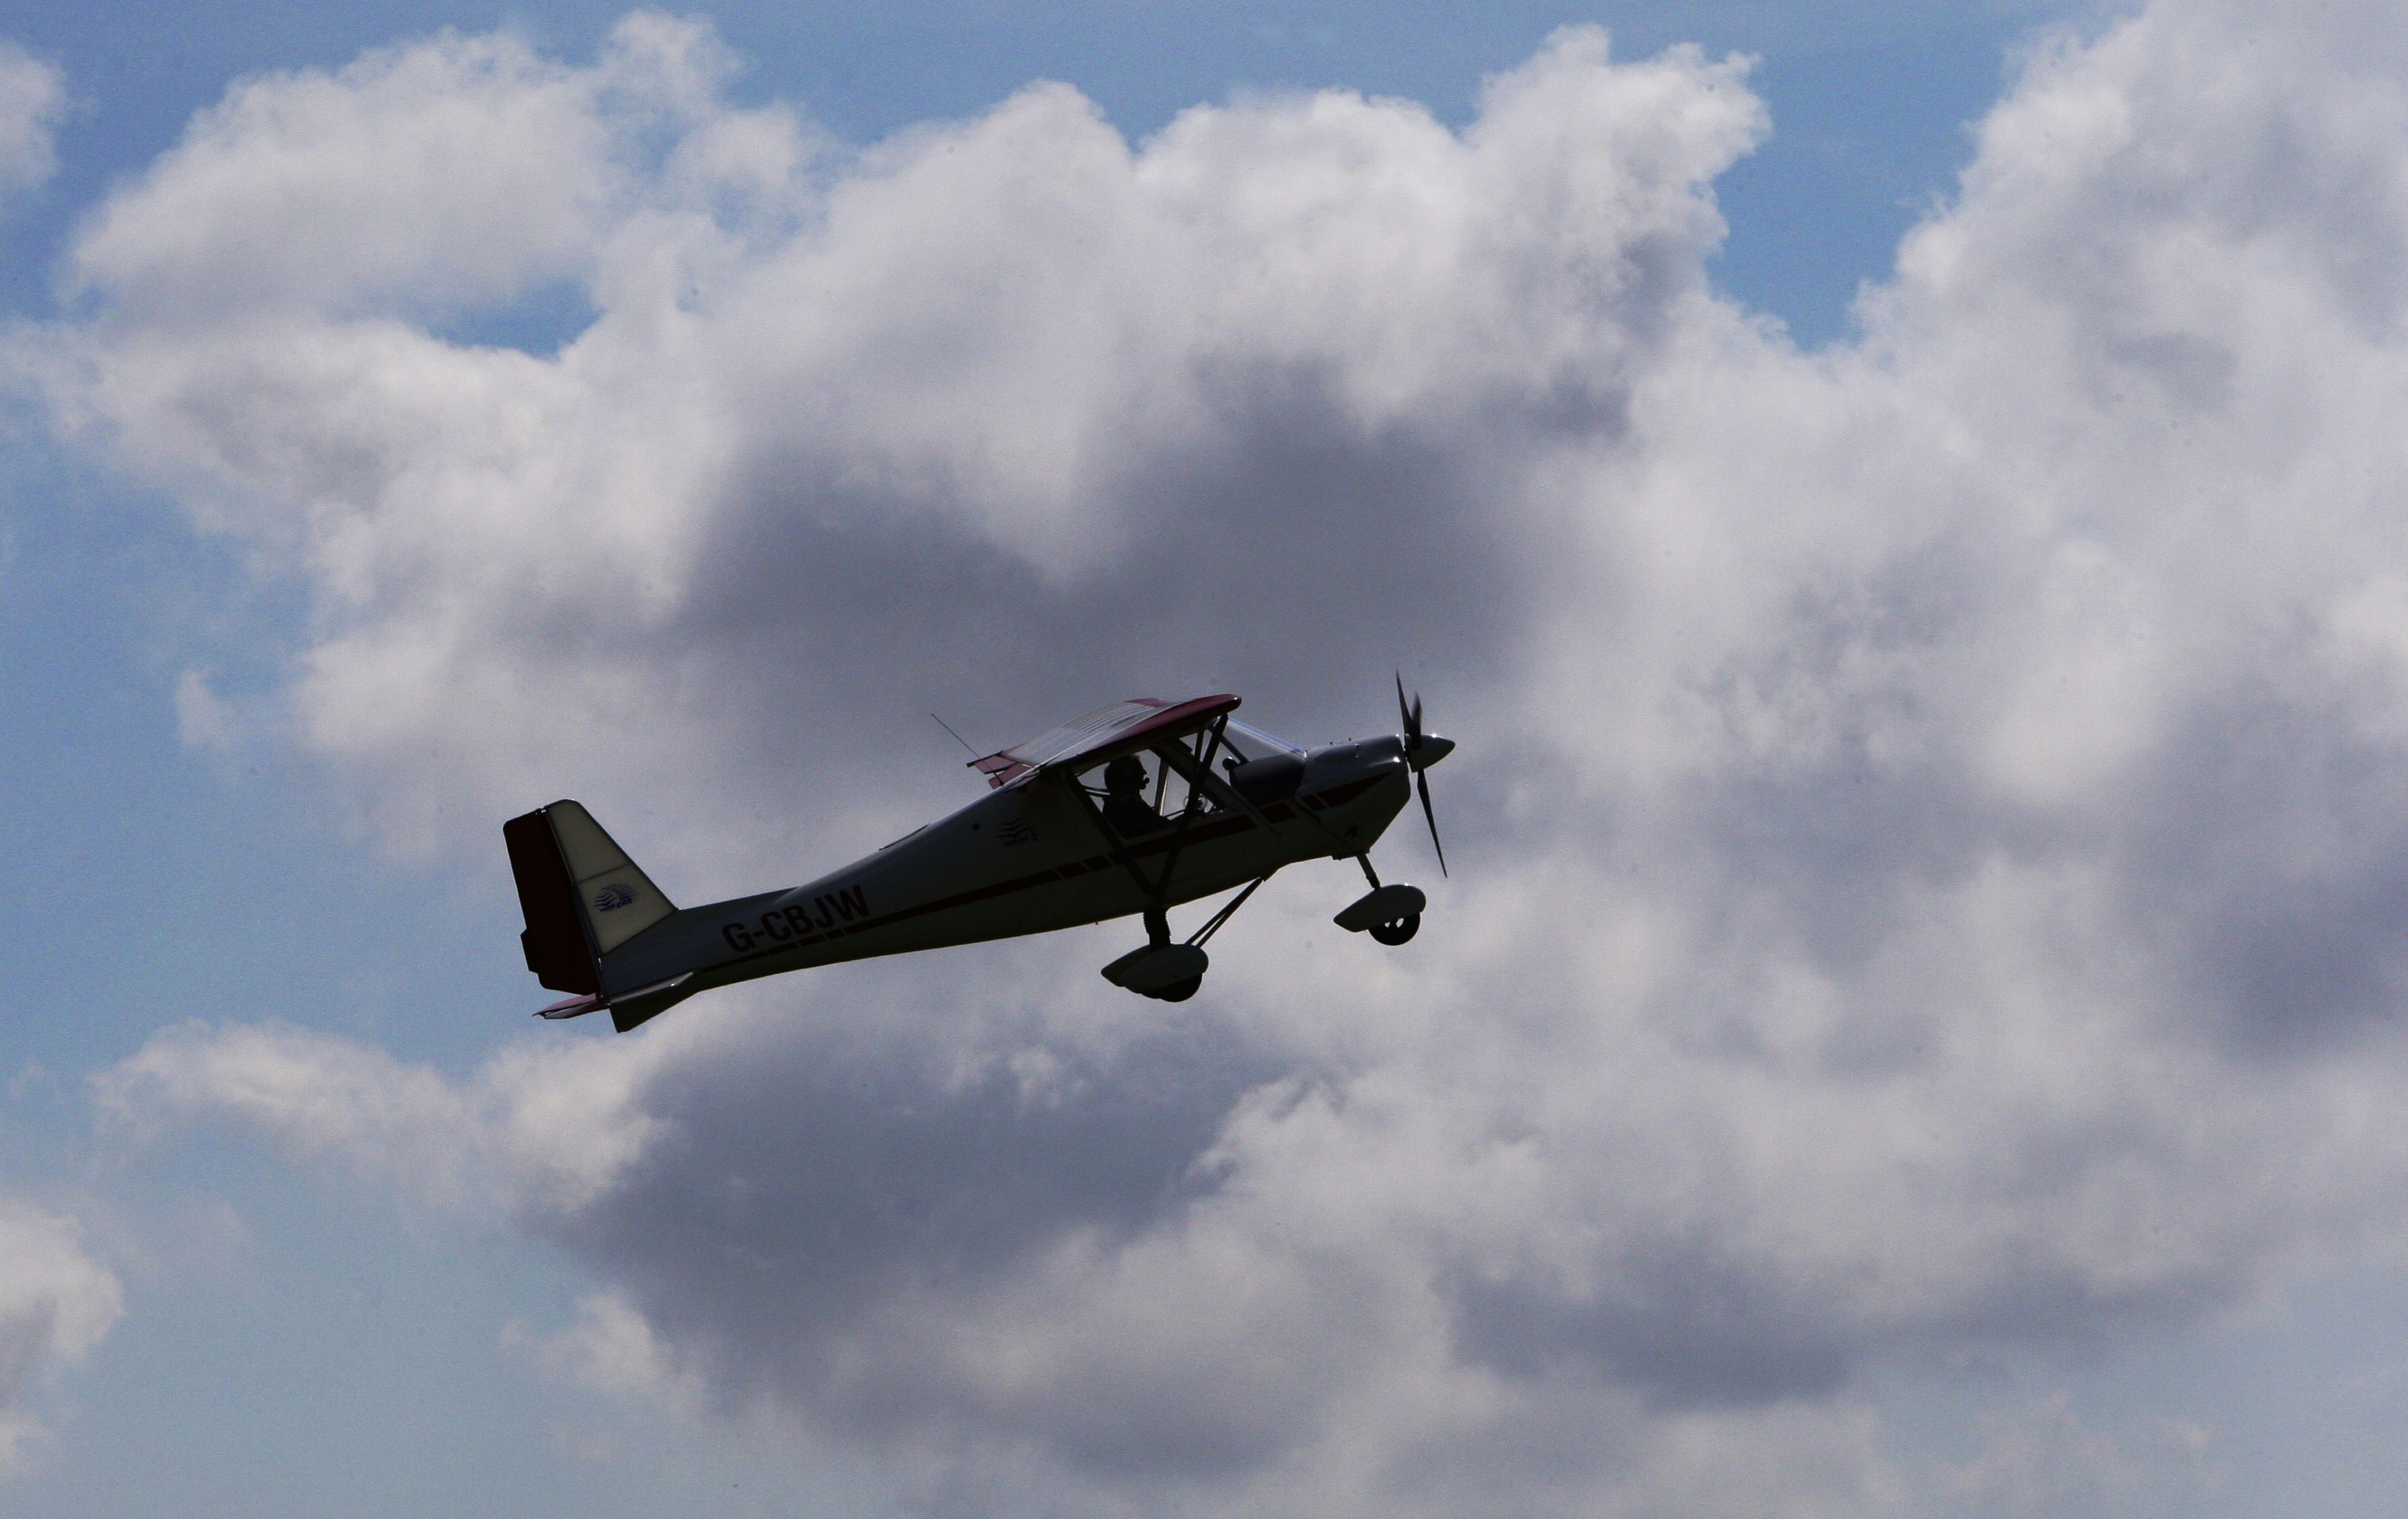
(1135, 808)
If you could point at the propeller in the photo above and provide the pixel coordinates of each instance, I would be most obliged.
(1422, 751)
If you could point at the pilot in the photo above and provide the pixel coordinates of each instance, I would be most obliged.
(1125, 806)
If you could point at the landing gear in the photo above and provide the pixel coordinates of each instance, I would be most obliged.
(1166, 971)
(1170, 971)
(1391, 914)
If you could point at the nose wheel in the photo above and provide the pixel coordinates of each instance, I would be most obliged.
(1398, 931)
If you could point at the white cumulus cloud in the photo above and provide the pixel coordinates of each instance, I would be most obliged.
(1929, 819)
(56, 1302)
(31, 97)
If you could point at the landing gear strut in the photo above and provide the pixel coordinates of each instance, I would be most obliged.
(1166, 971)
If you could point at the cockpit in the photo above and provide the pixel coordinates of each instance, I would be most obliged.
(1141, 793)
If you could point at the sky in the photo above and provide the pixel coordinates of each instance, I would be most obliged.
(1898, 505)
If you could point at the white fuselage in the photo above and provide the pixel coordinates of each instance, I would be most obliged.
(1025, 859)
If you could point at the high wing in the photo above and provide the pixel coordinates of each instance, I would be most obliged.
(1108, 732)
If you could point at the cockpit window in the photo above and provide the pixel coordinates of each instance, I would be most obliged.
(1123, 803)
(1252, 744)
(1259, 768)
(1135, 793)
(1139, 794)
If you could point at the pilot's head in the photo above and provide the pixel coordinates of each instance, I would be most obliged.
(1125, 776)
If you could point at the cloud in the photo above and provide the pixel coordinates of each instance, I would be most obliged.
(1929, 808)
(1006, 372)
(56, 1302)
(611, 1349)
(456, 171)
(2040, 1458)
(326, 1097)
(31, 99)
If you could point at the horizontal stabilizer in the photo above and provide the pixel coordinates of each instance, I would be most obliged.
(632, 1008)
(627, 1009)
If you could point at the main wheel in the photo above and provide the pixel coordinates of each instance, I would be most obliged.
(1177, 991)
(1398, 931)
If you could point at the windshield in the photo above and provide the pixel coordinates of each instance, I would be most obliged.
(1252, 744)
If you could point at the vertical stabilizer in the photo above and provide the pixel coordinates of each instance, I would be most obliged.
(618, 900)
(580, 896)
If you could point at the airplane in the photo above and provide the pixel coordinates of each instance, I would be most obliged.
(1068, 835)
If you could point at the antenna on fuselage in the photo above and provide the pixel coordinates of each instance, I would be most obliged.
(957, 737)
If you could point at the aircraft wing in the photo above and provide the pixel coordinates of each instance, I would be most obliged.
(1123, 728)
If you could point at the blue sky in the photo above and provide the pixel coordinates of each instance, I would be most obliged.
(1918, 584)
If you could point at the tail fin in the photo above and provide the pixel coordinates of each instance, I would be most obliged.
(582, 896)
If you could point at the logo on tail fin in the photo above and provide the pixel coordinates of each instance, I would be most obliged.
(613, 896)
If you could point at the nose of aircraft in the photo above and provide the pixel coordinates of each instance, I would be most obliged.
(1432, 749)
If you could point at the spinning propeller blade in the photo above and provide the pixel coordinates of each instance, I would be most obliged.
(1421, 751)
(1423, 783)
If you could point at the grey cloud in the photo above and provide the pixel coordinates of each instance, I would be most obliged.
(2273, 844)
(1693, 1330)
(1391, 540)
(838, 1171)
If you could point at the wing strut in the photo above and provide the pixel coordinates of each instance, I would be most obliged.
(1229, 910)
